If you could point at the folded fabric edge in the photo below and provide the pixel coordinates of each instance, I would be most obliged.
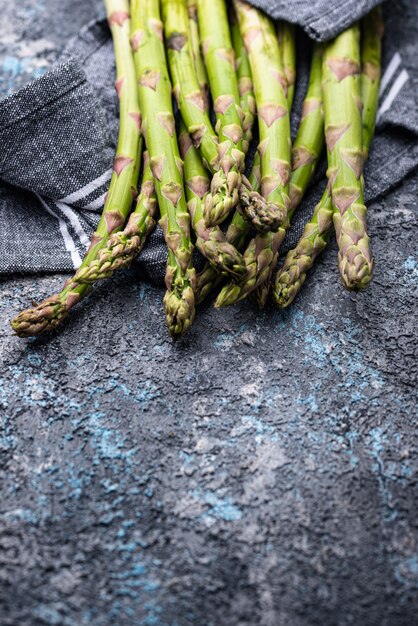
(37, 94)
(325, 25)
(338, 18)
(87, 41)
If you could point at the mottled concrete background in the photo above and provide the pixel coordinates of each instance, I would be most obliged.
(262, 471)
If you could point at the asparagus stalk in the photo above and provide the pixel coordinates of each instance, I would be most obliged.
(343, 131)
(220, 64)
(124, 246)
(292, 275)
(287, 45)
(245, 81)
(309, 141)
(371, 53)
(208, 279)
(201, 74)
(261, 254)
(185, 83)
(273, 115)
(211, 241)
(166, 165)
(51, 312)
(224, 161)
(263, 216)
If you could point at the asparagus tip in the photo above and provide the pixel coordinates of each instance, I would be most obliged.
(224, 256)
(44, 317)
(223, 198)
(120, 252)
(356, 271)
(179, 307)
(228, 295)
(264, 216)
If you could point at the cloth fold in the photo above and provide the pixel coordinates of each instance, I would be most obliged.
(59, 132)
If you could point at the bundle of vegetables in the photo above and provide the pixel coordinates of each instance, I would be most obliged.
(201, 52)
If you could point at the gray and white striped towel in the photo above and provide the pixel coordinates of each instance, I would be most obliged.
(58, 137)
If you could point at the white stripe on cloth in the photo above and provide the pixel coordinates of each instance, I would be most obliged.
(88, 189)
(389, 72)
(393, 92)
(96, 204)
(75, 222)
(68, 240)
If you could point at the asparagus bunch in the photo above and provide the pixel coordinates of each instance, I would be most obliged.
(247, 71)
(52, 312)
(298, 261)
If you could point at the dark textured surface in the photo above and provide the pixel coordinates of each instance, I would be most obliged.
(261, 471)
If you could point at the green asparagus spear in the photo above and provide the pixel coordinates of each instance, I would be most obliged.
(263, 216)
(343, 132)
(185, 83)
(273, 116)
(300, 259)
(124, 246)
(220, 64)
(166, 165)
(262, 252)
(287, 46)
(201, 74)
(210, 241)
(245, 81)
(307, 147)
(51, 312)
